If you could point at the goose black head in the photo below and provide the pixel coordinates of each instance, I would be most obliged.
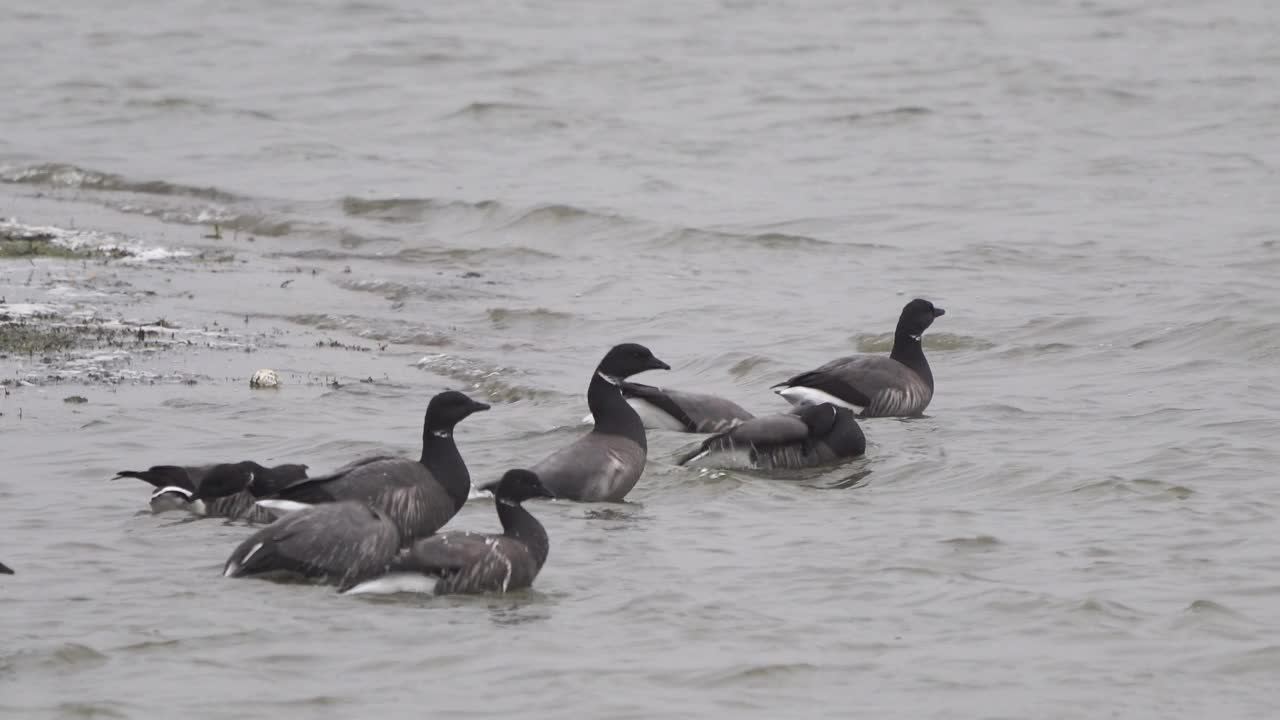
(518, 485)
(917, 316)
(627, 359)
(450, 408)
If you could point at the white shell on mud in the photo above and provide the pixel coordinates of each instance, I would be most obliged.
(264, 378)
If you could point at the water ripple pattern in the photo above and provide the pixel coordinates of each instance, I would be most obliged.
(381, 199)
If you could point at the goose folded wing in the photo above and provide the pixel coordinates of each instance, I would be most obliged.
(316, 489)
(856, 379)
(760, 432)
(769, 430)
(339, 540)
(659, 398)
(698, 412)
(472, 562)
(445, 552)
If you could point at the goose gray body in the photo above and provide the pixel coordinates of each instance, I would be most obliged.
(340, 543)
(471, 562)
(599, 467)
(813, 436)
(667, 409)
(896, 385)
(419, 496)
(605, 464)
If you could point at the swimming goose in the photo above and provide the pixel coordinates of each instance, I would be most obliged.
(811, 436)
(604, 464)
(419, 496)
(337, 543)
(469, 562)
(899, 384)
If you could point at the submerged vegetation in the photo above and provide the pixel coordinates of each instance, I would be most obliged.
(46, 336)
(22, 242)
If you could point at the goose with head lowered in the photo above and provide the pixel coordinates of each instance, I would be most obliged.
(812, 436)
(419, 496)
(604, 464)
(224, 490)
(899, 384)
(667, 409)
(469, 562)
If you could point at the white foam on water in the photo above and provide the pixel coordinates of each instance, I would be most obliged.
(11, 311)
(132, 251)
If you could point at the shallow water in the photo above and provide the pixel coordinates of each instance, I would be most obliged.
(486, 196)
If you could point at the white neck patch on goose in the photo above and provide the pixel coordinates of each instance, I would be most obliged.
(442, 433)
(609, 379)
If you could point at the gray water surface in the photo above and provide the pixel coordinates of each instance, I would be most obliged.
(486, 196)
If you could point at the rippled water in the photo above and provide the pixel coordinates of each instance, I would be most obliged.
(488, 195)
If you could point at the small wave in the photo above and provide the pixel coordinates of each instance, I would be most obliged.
(1106, 608)
(1037, 350)
(90, 710)
(887, 117)
(411, 209)
(484, 214)
(998, 409)
(326, 254)
(1219, 336)
(487, 379)
(754, 674)
(1154, 489)
(446, 256)
(474, 255)
(749, 365)
(72, 176)
(379, 330)
(225, 220)
(426, 255)
(1211, 608)
(407, 59)
(1263, 661)
(977, 542)
(486, 109)
(557, 215)
(510, 115)
(61, 657)
(541, 317)
(204, 107)
(769, 240)
(396, 291)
